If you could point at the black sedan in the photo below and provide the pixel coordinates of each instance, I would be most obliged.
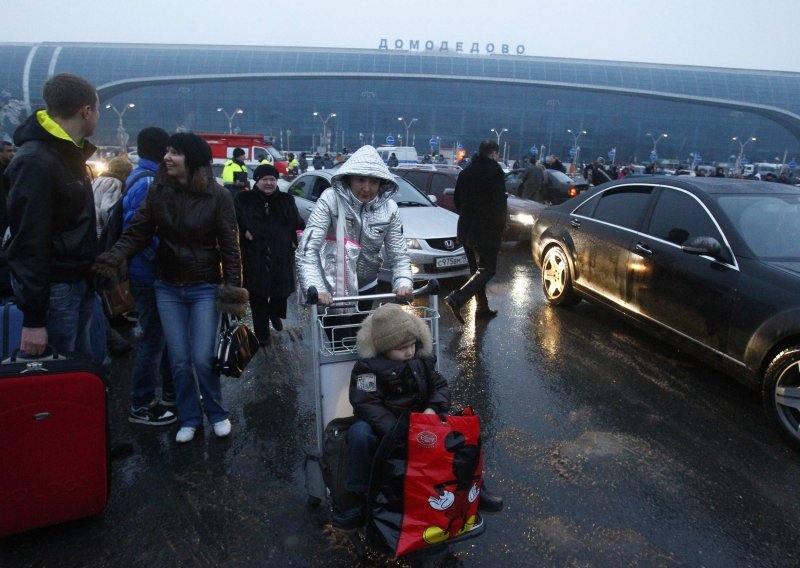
(711, 263)
(558, 187)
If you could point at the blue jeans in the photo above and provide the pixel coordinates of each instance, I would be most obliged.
(189, 317)
(150, 353)
(361, 445)
(69, 316)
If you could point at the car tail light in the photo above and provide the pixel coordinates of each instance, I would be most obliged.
(573, 191)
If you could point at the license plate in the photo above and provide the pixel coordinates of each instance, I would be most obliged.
(446, 261)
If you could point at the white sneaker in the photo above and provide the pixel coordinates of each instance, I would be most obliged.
(185, 434)
(222, 428)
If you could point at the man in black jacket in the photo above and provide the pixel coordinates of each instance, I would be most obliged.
(52, 219)
(480, 199)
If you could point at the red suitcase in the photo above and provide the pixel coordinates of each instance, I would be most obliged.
(53, 442)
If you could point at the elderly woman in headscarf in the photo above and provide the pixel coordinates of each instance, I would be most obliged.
(268, 225)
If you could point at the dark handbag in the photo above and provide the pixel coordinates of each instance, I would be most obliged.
(236, 345)
(117, 300)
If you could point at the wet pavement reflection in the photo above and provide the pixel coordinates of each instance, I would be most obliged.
(609, 447)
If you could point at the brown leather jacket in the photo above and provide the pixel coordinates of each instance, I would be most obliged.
(197, 229)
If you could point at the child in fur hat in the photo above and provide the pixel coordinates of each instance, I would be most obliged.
(396, 373)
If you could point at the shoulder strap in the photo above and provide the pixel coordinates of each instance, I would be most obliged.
(137, 177)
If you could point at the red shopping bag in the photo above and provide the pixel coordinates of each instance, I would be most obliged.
(442, 481)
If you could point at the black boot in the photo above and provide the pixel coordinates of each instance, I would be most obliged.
(349, 514)
(489, 503)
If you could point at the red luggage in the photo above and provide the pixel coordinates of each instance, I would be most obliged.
(53, 442)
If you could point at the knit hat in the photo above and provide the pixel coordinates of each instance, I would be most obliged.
(119, 168)
(238, 152)
(266, 170)
(389, 327)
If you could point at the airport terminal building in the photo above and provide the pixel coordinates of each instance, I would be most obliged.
(455, 97)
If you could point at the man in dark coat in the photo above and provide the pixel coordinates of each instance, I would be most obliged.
(533, 182)
(52, 219)
(480, 199)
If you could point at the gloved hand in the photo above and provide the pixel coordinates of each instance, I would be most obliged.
(110, 269)
(232, 300)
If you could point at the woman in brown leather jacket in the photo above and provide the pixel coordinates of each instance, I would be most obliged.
(198, 250)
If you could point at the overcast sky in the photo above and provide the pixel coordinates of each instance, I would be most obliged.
(762, 34)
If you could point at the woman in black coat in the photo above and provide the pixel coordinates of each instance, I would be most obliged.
(268, 224)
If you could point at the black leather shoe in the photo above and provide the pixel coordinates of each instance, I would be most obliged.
(277, 324)
(489, 503)
(451, 303)
(485, 313)
(349, 520)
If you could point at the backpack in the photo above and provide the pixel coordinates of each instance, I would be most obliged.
(113, 228)
(334, 461)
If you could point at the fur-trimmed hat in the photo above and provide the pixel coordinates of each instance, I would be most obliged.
(119, 168)
(266, 170)
(389, 327)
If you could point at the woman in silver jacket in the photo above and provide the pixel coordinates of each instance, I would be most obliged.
(361, 190)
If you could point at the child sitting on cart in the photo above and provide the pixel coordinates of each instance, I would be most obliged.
(396, 373)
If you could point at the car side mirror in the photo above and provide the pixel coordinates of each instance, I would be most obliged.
(432, 198)
(449, 190)
(708, 246)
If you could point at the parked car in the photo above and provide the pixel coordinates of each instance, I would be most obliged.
(710, 263)
(439, 182)
(558, 188)
(430, 231)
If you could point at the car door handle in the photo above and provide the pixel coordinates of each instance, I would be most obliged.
(575, 223)
(644, 249)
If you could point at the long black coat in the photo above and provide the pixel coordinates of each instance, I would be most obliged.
(480, 199)
(268, 259)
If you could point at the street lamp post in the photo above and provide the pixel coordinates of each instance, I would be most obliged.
(499, 133)
(325, 139)
(122, 136)
(553, 104)
(407, 125)
(656, 140)
(575, 138)
(741, 151)
(230, 117)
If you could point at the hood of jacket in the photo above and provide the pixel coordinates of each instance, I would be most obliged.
(365, 162)
(40, 126)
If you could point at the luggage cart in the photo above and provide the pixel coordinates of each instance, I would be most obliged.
(333, 355)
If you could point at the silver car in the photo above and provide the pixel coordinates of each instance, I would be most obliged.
(430, 230)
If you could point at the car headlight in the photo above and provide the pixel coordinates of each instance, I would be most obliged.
(522, 218)
(412, 244)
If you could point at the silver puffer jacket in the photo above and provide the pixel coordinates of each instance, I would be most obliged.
(368, 227)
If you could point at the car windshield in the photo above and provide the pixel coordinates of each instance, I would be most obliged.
(560, 176)
(409, 196)
(769, 224)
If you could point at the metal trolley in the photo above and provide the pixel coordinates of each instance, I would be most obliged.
(334, 354)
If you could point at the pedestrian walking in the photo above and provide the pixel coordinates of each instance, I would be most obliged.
(480, 199)
(268, 225)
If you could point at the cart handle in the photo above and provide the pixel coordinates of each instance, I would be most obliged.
(429, 289)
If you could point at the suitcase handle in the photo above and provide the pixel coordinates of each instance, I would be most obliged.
(50, 354)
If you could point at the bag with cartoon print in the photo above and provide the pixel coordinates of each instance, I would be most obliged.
(427, 477)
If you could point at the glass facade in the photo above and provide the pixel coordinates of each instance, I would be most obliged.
(457, 98)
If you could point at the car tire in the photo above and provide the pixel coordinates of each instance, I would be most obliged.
(557, 278)
(781, 394)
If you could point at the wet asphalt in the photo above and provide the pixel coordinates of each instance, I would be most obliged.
(610, 448)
